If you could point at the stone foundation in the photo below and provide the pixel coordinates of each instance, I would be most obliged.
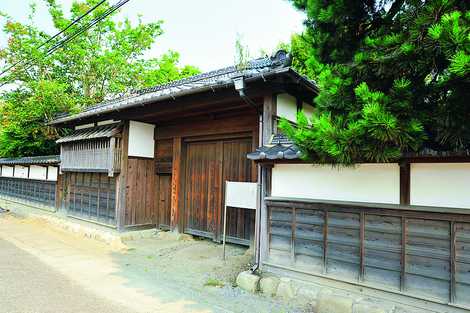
(322, 299)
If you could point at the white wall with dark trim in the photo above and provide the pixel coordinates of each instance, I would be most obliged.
(440, 184)
(379, 183)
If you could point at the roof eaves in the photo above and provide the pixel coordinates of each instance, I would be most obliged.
(48, 159)
(134, 101)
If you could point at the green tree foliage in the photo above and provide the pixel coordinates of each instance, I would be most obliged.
(106, 61)
(394, 77)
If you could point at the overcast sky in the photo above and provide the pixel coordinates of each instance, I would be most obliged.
(203, 32)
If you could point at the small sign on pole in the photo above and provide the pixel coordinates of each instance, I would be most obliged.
(239, 195)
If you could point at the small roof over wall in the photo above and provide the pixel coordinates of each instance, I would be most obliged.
(279, 148)
(36, 160)
(97, 132)
(282, 149)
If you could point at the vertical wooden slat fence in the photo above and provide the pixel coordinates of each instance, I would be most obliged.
(97, 155)
(418, 253)
(91, 196)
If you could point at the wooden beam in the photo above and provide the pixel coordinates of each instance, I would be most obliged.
(453, 256)
(235, 124)
(403, 254)
(176, 179)
(362, 242)
(265, 237)
(59, 191)
(121, 181)
(325, 241)
(269, 121)
(405, 181)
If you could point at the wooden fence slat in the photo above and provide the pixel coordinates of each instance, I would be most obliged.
(422, 255)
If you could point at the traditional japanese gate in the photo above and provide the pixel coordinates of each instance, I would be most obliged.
(208, 165)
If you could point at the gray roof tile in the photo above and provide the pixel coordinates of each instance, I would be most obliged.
(104, 131)
(279, 148)
(46, 159)
(215, 79)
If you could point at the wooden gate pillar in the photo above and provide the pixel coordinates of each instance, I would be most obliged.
(121, 181)
(176, 184)
(269, 118)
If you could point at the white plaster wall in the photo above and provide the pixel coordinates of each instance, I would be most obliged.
(287, 107)
(37, 172)
(107, 122)
(52, 173)
(7, 171)
(84, 126)
(378, 183)
(21, 171)
(440, 184)
(141, 139)
(308, 109)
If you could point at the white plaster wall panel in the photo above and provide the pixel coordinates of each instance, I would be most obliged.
(52, 173)
(7, 171)
(21, 171)
(308, 110)
(107, 122)
(378, 183)
(286, 107)
(37, 172)
(440, 184)
(141, 139)
(84, 126)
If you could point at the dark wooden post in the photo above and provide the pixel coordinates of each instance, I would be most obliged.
(176, 184)
(268, 129)
(59, 190)
(405, 183)
(121, 181)
(269, 117)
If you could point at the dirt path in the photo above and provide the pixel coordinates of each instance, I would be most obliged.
(154, 275)
(28, 285)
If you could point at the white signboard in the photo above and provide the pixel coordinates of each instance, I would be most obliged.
(241, 195)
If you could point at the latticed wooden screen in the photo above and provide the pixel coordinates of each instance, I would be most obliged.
(423, 254)
(91, 196)
(38, 192)
(97, 155)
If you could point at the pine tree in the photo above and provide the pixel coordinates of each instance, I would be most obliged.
(394, 77)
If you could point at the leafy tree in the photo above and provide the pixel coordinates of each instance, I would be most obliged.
(106, 61)
(394, 77)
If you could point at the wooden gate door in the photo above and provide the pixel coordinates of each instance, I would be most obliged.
(208, 166)
(237, 167)
(164, 201)
(203, 188)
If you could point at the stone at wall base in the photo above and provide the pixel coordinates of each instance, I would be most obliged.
(286, 289)
(248, 281)
(268, 285)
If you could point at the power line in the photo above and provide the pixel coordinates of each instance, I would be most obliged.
(78, 32)
(84, 28)
(58, 34)
(72, 23)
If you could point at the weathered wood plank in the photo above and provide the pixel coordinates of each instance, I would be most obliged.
(176, 178)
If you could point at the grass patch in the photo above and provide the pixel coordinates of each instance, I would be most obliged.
(212, 282)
